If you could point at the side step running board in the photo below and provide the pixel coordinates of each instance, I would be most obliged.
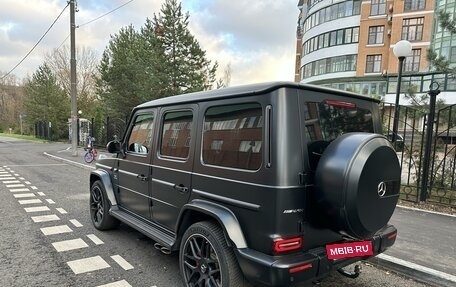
(156, 234)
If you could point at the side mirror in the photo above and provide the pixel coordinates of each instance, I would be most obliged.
(113, 146)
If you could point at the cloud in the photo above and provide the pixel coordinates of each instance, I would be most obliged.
(256, 37)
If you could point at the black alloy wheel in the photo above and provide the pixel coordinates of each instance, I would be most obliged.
(206, 260)
(99, 208)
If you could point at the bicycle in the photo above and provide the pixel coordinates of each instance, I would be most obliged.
(91, 153)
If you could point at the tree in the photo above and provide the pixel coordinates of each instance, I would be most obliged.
(185, 67)
(11, 102)
(45, 101)
(123, 73)
(160, 60)
(59, 63)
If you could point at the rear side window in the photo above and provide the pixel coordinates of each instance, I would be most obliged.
(176, 134)
(233, 136)
(140, 137)
(330, 119)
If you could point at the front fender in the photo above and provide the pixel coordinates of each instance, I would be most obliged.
(105, 178)
(223, 215)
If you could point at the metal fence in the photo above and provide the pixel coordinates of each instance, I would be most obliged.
(107, 129)
(410, 144)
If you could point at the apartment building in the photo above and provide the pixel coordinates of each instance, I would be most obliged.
(348, 45)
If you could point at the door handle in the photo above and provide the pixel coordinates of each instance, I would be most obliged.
(142, 177)
(181, 188)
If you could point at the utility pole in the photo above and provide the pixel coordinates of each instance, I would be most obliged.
(74, 106)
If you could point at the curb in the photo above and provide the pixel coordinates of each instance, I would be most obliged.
(415, 271)
(427, 211)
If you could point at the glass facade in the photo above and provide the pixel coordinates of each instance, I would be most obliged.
(443, 41)
(331, 38)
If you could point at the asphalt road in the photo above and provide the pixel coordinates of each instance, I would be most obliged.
(80, 255)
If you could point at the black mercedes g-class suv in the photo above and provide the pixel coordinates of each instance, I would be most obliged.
(269, 184)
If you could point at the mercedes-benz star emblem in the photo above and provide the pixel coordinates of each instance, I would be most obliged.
(381, 189)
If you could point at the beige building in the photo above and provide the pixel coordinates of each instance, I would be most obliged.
(349, 44)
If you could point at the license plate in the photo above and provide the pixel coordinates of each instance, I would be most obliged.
(349, 249)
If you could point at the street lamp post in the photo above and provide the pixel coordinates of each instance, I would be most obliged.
(401, 50)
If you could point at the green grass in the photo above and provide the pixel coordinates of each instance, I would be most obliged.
(24, 137)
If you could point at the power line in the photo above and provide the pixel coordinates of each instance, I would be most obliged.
(33, 48)
(93, 20)
(115, 9)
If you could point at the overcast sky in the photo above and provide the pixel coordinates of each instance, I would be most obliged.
(256, 37)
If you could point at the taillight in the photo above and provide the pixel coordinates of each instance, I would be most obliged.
(392, 235)
(282, 245)
(300, 268)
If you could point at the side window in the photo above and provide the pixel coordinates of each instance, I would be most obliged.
(140, 138)
(176, 134)
(233, 136)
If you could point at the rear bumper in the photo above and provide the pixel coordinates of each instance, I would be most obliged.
(266, 270)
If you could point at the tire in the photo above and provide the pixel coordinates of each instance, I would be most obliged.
(358, 183)
(88, 157)
(99, 208)
(205, 258)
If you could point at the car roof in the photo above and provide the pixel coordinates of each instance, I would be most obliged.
(246, 90)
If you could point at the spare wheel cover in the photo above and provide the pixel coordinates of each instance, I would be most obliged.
(358, 177)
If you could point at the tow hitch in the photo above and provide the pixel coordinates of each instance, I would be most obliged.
(351, 274)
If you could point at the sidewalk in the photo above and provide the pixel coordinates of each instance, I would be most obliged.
(425, 247)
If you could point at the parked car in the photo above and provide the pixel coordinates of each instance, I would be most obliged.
(269, 184)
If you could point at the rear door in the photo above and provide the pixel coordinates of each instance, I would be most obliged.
(134, 169)
(173, 162)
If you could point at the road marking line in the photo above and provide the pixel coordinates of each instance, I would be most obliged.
(122, 262)
(22, 195)
(21, 178)
(28, 182)
(34, 187)
(41, 193)
(121, 283)
(19, 189)
(87, 264)
(30, 201)
(5, 174)
(11, 181)
(50, 201)
(16, 174)
(59, 229)
(95, 239)
(68, 245)
(75, 223)
(61, 210)
(36, 209)
(15, 185)
(7, 178)
(45, 218)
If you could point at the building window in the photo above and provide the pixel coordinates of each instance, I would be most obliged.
(331, 38)
(376, 35)
(412, 29)
(414, 5)
(412, 63)
(452, 56)
(378, 7)
(373, 64)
